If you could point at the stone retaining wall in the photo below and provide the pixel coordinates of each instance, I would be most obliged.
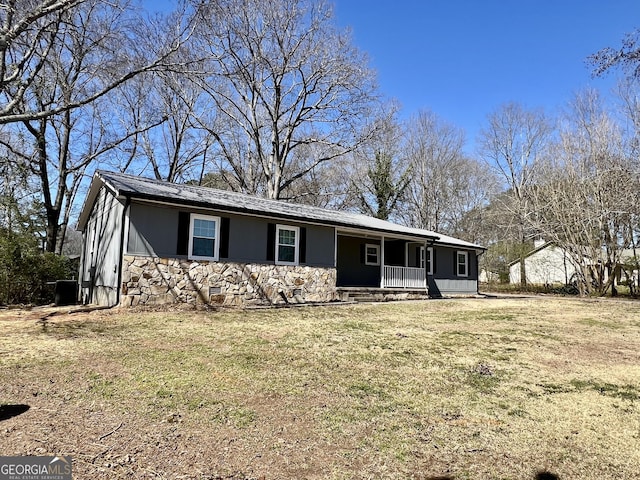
(153, 280)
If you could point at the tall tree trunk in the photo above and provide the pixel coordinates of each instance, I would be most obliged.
(523, 252)
(523, 269)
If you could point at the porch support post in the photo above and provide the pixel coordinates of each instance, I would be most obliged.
(382, 262)
(424, 266)
(406, 254)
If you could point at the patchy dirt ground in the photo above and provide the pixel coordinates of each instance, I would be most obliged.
(464, 389)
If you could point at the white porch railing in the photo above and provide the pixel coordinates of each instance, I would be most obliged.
(404, 277)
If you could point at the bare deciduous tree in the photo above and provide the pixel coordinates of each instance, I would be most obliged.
(472, 186)
(28, 31)
(513, 143)
(441, 187)
(176, 149)
(95, 47)
(626, 56)
(586, 202)
(283, 80)
(32, 32)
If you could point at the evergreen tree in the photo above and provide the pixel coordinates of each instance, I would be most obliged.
(384, 188)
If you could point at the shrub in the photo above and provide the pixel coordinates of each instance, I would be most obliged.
(25, 271)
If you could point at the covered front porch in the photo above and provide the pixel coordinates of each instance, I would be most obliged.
(380, 262)
(403, 277)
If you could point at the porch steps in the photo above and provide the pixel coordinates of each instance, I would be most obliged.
(351, 294)
(362, 297)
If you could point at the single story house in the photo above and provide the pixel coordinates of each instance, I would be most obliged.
(546, 264)
(550, 264)
(149, 242)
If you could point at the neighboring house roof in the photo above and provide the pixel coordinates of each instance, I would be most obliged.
(627, 255)
(123, 185)
(535, 250)
(630, 255)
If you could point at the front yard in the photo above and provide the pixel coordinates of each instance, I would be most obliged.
(465, 389)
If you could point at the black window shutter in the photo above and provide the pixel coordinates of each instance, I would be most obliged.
(302, 255)
(433, 260)
(183, 233)
(224, 237)
(363, 253)
(455, 263)
(271, 242)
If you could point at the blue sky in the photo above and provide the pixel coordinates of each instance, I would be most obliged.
(462, 59)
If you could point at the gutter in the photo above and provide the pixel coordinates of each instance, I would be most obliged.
(276, 216)
(478, 271)
(125, 210)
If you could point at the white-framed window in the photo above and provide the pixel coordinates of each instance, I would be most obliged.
(462, 264)
(428, 259)
(287, 245)
(372, 254)
(421, 259)
(204, 234)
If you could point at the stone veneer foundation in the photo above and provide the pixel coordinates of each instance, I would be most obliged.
(154, 280)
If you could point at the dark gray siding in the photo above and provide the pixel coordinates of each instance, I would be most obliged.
(352, 271)
(247, 239)
(321, 242)
(153, 231)
(413, 251)
(443, 262)
(444, 280)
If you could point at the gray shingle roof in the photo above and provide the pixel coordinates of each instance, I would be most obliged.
(144, 188)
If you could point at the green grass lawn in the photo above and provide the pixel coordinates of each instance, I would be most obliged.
(467, 389)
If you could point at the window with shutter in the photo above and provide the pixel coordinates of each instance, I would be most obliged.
(204, 234)
(287, 245)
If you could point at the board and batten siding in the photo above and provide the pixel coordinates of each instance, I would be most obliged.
(154, 231)
(101, 254)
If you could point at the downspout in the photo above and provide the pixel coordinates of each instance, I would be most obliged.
(478, 270)
(425, 246)
(82, 269)
(430, 243)
(127, 204)
(382, 262)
